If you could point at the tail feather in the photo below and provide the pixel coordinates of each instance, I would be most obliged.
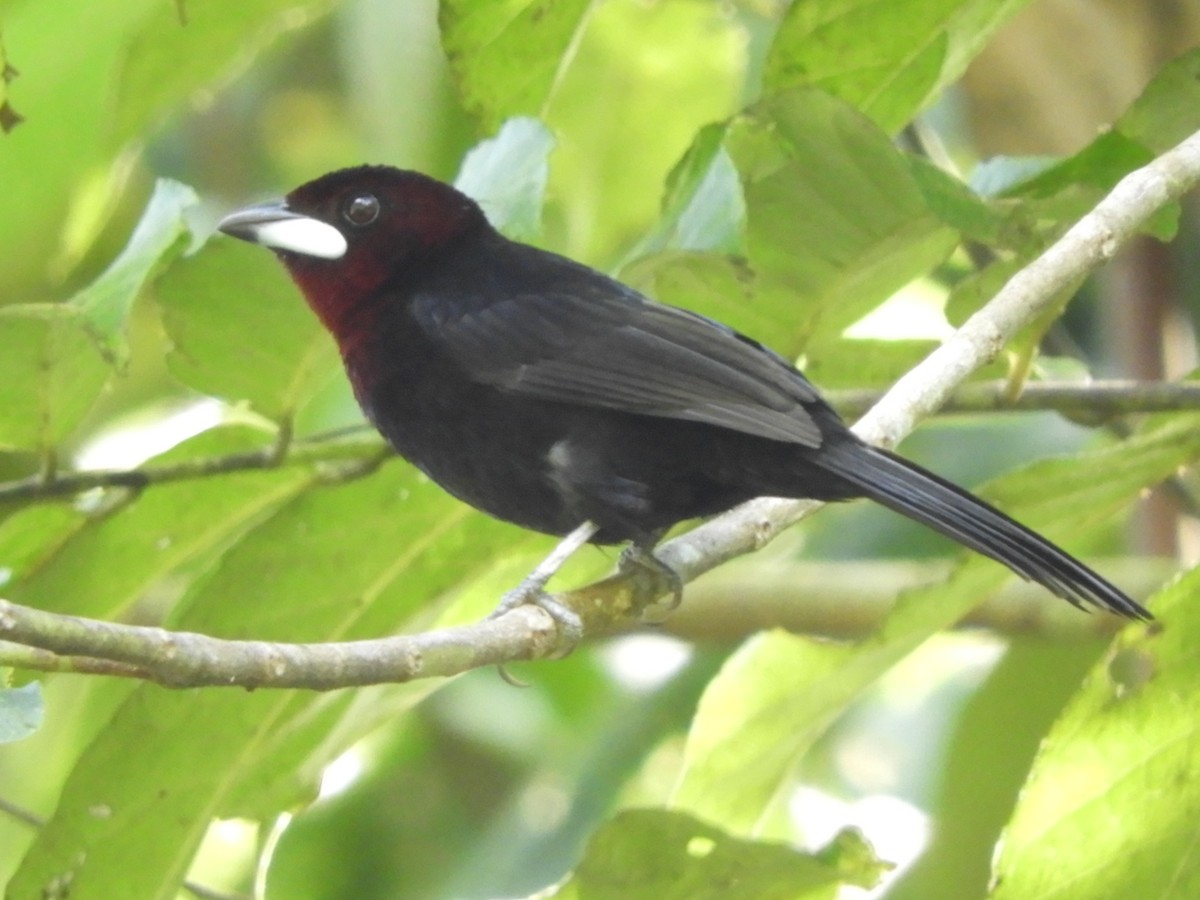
(929, 499)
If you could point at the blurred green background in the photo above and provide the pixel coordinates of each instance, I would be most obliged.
(843, 182)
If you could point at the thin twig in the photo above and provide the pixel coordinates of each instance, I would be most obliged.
(366, 452)
(1089, 402)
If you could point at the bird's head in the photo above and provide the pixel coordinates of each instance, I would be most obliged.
(348, 236)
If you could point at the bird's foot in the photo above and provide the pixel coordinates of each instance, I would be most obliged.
(642, 558)
(532, 592)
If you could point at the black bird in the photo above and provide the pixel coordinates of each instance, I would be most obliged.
(549, 395)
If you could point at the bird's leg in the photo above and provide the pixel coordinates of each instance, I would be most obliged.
(533, 589)
(640, 555)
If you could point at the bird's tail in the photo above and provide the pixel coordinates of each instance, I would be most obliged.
(948, 509)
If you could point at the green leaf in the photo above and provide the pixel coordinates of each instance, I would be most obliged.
(1111, 805)
(669, 855)
(703, 209)
(980, 777)
(617, 144)
(888, 59)
(65, 137)
(1098, 166)
(55, 364)
(184, 46)
(33, 534)
(1168, 109)
(506, 56)
(100, 566)
(241, 330)
(51, 374)
(836, 221)
(956, 204)
(161, 235)
(507, 176)
(858, 363)
(21, 711)
(1061, 191)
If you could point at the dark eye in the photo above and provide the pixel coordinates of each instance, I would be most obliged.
(361, 209)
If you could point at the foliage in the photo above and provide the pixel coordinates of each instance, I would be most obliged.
(738, 159)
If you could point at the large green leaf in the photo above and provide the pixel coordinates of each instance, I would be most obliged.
(888, 59)
(703, 207)
(241, 330)
(836, 220)
(836, 223)
(50, 374)
(1111, 806)
(162, 233)
(184, 46)
(671, 856)
(507, 56)
(616, 144)
(1168, 109)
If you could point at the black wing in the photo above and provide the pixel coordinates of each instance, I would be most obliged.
(604, 345)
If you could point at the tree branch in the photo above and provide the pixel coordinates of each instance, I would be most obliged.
(180, 659)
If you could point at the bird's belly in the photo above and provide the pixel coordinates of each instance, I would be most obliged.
(489, 453)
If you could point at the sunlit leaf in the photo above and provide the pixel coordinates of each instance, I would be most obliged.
(617, 145)
(241, 330)
(836, 221)
(172, 53)
(703, 209)
(161, 234)
(1110, 808)
(507, 56)
(677, 857)
(52, 373)
(888, 59)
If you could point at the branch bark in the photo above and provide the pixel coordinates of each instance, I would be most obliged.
(179, 659)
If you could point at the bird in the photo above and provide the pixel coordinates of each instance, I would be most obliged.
(552, 396)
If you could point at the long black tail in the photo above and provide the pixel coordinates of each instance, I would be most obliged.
(946, 508)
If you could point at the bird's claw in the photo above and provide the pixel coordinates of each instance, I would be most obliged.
(640, 558)
(532, 592)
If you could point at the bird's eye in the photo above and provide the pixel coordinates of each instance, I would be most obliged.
(361, 209)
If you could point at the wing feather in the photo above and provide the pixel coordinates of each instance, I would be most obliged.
(611, 348)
